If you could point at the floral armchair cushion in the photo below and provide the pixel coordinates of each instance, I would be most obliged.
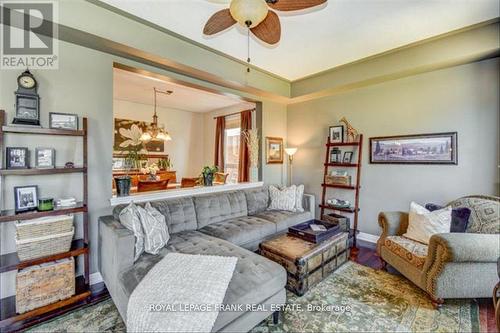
(484, 218)
(412, 251)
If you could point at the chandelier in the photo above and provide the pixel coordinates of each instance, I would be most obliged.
(154, 132)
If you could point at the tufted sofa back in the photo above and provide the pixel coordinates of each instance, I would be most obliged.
(218, 207)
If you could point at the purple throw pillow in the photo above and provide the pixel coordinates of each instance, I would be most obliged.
(459, 217)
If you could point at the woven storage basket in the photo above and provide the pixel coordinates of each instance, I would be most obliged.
(44, 246)
(44, 226)
(44, 284)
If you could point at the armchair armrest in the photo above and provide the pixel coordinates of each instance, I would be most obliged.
(457, 247)
(392, 223)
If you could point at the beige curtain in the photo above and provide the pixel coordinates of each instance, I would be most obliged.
(244, 163)
(220, 127)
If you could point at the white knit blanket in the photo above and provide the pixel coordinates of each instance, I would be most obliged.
(181, 293)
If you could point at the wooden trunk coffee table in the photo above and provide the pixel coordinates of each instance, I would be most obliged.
(306, 263)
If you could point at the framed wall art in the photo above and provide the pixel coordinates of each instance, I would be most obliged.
(437, 148)
(274, 150)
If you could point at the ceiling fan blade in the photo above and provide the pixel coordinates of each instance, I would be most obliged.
(269, 30)
(289, 5)
(218, 22)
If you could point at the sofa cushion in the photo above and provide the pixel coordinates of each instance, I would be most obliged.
(412, 251)
(219, 207)
(241, 230)
(284, 219)
(255, 278)
(179, 213)
(257, 199)
(485, 213)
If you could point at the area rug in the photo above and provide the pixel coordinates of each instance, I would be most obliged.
(355, 298)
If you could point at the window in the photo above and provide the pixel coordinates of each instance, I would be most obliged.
(232, 148)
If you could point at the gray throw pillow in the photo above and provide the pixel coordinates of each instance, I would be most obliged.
(155, 229)
(129, 218)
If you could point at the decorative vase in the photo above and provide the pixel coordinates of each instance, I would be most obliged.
(152, 177)
(123, 184)
(208, 180)
(254, 174)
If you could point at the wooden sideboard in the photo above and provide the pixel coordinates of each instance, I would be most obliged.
(136, 175)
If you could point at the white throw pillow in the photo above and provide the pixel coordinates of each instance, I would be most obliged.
(299, 197)
(422, 223)
(129, 217)
(154, 227)
(282, 199)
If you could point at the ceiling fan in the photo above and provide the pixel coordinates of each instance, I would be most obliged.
(256, 16)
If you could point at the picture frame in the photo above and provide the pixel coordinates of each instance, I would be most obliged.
(335, 155)
(347, 159)
(45, 158)
(67, 121)
(434, 148)
(17, 158)
(336, 134)
(274, 150)
(25, 198)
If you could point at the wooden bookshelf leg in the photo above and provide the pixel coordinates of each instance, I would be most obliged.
(354, 253)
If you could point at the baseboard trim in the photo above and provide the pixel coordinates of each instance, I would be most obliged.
(95, 278)
(368, 237)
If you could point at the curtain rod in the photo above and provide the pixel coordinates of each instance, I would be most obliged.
(235, 113)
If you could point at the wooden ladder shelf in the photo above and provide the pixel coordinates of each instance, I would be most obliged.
(358, 145)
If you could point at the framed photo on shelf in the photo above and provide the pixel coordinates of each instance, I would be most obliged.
(437, 148)
(25, 198)
(17, 158)
(347, 157)
(336, 134)
(45, 158)
(274, 150)
(335, 155)
(65, 121)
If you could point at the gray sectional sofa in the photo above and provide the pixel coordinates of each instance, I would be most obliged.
(225, 224)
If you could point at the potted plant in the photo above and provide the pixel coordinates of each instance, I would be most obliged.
(133, 157)
(208, 174)
(165, 163)
(151, 170)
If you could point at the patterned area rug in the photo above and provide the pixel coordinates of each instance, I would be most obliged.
(355, 298)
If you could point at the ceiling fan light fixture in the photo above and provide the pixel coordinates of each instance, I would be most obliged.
(249, 13)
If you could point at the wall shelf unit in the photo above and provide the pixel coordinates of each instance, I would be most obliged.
(358, 145)
(9, 319)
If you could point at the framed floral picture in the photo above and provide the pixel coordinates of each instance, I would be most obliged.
(274, 150)
(128, 132)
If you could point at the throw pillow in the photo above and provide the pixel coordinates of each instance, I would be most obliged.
(299, 198)
(422, 224)
(459, 217)
(154, 227)
(282, 199)
(129, 218)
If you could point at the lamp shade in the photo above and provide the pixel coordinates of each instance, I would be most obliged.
(290, 151)
(249, 13)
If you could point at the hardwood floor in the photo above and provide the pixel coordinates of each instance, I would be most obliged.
(368, 257)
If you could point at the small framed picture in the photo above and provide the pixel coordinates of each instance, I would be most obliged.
(25, 198)
(274, 150)
(335, 155)
(347, 157)
(17, 158)
(66, 121)
(45, 158)
(336, 134)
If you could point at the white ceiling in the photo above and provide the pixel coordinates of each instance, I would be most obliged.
(137, 88)
(314, 41)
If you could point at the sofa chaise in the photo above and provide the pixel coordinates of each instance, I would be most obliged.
(225, 224)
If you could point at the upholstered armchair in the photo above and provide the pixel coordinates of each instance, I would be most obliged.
(452, 265)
